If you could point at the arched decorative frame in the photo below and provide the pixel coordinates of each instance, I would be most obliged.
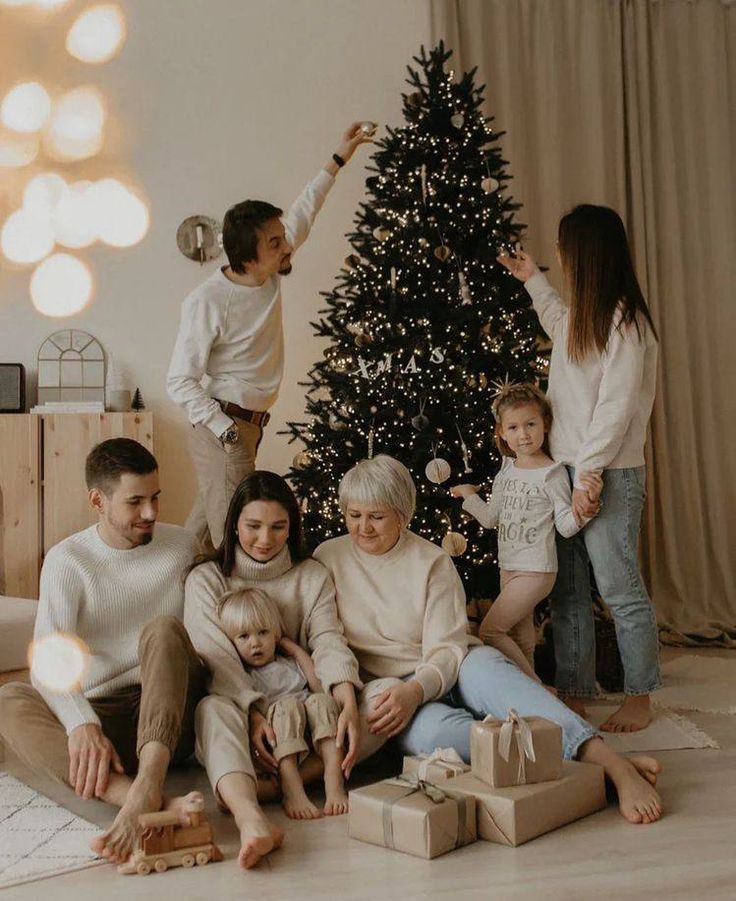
(71, 367)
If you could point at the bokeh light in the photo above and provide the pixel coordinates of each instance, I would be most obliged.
(75, 130)
(61, 286)
(72, 218)
(58, 662)
(97, 34)
(26, 237)
(26, 107)
(43, 193)
(121, 217)
(17, 150)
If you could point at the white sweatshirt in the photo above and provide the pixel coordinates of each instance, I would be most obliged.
(403, 611)
(601, 406)
(526, 507)
(105, 596)
(234, 334)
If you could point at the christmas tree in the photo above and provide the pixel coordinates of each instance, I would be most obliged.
(423, 322)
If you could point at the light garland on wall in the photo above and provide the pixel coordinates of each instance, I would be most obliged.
(57, 213)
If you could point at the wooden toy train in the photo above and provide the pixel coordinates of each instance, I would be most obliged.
(166, 841)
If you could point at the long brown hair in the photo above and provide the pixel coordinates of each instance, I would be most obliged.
(597, 265)
(260, 485)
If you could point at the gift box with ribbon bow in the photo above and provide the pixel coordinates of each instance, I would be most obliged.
(516, 751)
(413, 816)
(512, 816)
(441, 764)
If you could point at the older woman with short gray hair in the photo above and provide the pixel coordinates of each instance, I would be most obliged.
(402, 605)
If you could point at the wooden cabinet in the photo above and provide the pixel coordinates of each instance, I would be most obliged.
(43, 496)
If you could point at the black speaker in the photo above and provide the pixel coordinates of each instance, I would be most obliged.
(12, 388)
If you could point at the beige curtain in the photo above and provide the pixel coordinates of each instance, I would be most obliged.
(630, 103)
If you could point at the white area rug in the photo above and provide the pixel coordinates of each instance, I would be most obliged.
(666, 732)
(697, 682)
(37, 837)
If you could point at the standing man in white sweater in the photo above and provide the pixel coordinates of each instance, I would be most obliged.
(231, 331)
(117, 587)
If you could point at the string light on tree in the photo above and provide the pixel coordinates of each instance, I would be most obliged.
(420, 320)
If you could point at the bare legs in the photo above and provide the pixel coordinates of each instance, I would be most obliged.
(144, 794)
(258, 837)
(633, 777)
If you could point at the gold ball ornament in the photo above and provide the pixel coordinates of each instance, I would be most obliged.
(302, 460)
(438, 470)
(352, 261)
(442, 253)
(454, 544)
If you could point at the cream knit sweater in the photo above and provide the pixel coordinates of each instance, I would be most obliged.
(305, 597)
(403, 611)
(105, 596)
(601, 406)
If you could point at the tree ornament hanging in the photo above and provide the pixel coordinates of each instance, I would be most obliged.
(464, 450)
(465, 295)
(423, 176)
(335, 423)
(454, 544)
(302, 460)
(438, 470)
(490, 185)
(352, 261)
(392, 278)
(420, 421)
(458, 120)
(414, 100)
(381, 233)
(371, 439)
(442, 253)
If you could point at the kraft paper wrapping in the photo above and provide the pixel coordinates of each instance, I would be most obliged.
(393, 814)
(512, 816)
(441, 764)
(487, 761)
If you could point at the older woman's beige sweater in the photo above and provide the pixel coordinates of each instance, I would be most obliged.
(305, 596)
(403, 611)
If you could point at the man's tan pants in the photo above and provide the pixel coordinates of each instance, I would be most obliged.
(220, 469)
(160, 709)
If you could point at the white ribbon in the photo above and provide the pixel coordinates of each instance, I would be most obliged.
(515, 725)
(447, 758)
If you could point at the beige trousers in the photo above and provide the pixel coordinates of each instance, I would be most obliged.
(220, 469)
(160, 709)
(509, 624)
(369, 743)
(223, 739)
(289, 717)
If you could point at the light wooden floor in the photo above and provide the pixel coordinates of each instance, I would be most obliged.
(690, 853)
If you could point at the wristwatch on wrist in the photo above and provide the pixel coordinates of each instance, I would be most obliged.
(230, 435)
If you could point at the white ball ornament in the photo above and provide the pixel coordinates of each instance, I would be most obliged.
(458, 120)
(490, 185)
(438, 470)
(454, 544)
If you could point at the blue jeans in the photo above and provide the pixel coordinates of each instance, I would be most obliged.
(610, 543)
(488, 684)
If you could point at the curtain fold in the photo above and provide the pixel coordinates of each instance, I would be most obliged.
(629, 103)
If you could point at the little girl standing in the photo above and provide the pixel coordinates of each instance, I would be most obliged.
(531, 498)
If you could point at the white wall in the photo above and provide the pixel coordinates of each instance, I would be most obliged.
(213, 101)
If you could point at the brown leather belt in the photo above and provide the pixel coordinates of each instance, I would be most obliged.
(257, 417)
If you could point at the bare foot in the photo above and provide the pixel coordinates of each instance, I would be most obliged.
(633, 715)
(648, 767)
(144, 796)
(297, 805)
(577, 705)
(258, 839)
(336, 803)
(638, 800)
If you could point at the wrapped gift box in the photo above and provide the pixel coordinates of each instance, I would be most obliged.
(512, 816)
(516, 751)
(441, 764)
(412, 816)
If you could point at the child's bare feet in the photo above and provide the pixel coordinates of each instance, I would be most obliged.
(297, 805)
(336, 799)
(577, 705)
(336, 803)
(633, 715)
(295, 801)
